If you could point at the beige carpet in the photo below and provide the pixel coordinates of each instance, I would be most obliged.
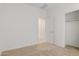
(44, 49)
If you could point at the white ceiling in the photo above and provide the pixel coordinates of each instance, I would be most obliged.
(37, 4)
(43, 5)
(52, 5)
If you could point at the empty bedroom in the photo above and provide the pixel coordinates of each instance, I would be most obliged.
(39, 29)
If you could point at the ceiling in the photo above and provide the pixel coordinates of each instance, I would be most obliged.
(43, 5)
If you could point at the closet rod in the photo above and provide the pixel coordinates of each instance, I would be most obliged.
(71, 20)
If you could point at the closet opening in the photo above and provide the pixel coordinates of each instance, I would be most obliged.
(72, 29)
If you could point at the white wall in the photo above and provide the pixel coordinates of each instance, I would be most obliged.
(18, 25)
(49, 26)
(59, 19)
